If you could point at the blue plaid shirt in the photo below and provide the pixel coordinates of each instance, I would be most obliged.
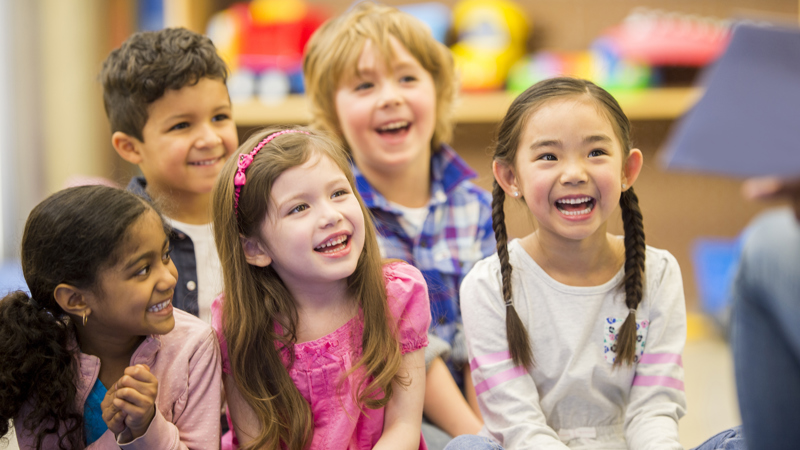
(456, 234)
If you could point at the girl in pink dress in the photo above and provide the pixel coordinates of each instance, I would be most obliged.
(321, 340)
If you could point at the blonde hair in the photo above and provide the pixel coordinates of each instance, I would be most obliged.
(256, 298)
(332, 55)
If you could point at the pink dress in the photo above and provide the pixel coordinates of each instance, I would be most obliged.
(320, 364)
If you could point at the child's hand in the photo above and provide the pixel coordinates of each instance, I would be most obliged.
(135, 395)
(112, 416)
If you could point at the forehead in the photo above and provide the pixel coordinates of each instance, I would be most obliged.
(317, 171)
(566, 119)
(208, 93)
(373, 56)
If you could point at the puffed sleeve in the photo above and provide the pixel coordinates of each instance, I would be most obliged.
(216, 323)
(407, 296)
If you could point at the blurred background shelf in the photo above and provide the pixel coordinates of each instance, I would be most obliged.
(486, 107)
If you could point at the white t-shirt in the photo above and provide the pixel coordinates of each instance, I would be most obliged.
(573, 397)
(209, 269)
(412, 219)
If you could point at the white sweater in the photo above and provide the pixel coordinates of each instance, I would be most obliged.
(573, 397)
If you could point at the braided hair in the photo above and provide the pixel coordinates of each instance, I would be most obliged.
(508, 140)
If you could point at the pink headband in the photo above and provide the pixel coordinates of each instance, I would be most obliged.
(245, 159)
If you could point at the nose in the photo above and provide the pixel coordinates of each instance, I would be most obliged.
(168, 277)
(574, 173)
(390, 95)
(208, 137)
(329, 215)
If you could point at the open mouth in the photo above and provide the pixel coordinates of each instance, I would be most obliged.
(575, 206)
(394, 127)
(206, 162)
(159, 306)
(333, 245)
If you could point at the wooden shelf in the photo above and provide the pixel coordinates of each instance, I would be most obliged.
(489, 107)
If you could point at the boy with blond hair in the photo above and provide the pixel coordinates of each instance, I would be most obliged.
(380, 82)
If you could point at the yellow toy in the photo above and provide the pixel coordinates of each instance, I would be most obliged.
(492, 35)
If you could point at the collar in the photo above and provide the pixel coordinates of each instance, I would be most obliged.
(448, 171)
(89, 365)
(138, 185)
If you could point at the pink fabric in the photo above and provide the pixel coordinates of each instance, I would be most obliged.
(661, 358)
(499, 379)
(186, 362)
(320, 364)
(645, 380)
(489, 359)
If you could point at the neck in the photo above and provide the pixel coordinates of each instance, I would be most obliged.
(194, 209)
(321, 309)
(587, 262)
(106, 344)
(409, 186)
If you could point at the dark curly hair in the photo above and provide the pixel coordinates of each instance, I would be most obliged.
(68, 238)
(146, 65)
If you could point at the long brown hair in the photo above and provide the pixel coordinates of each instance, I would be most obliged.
(505, 152)
(256, 299)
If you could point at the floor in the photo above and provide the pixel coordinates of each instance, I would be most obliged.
(710, 389)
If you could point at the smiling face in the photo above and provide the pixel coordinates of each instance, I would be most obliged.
(314, 230)
(570, 167)
(187, 138)
(387, 114)
(134, 297)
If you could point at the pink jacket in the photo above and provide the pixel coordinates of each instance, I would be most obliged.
(186, 362)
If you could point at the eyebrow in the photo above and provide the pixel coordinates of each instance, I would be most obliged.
(221, 107)
(144, 256)
(557, 142)
(279, 205)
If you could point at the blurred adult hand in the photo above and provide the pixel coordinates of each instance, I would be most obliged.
(774, 188)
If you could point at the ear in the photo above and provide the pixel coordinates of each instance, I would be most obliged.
(72, 300)
(254, 252)
(504, 174)
(127, 147)
(632, 168)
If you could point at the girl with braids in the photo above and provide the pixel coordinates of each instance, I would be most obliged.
(322, 341)
(575, 335)
(96, 357)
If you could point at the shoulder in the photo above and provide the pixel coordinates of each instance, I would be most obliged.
(486, 269)
(662, 272)
(189, 330)
(405, 288)
(484, 275)
(771, 234)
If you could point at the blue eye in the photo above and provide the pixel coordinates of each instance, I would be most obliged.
(364, 85)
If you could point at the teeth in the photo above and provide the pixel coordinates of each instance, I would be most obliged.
(158, 307)
(332, 242)
(574, 201)
(208, 162)
(587, 210)
(393, 126)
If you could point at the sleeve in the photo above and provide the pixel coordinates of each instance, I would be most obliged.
(507, 395)
(485, 230)
(197, 426)
(407, 297)
(216, 324)
(657, 399)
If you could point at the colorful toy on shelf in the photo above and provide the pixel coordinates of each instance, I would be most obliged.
(491, 37)
(436, 15)
(264, 40)
(663, 38)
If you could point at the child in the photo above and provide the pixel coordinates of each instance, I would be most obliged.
(321, 341)
(165, 96)
(96, 357)
(379, 81)
(575, 334)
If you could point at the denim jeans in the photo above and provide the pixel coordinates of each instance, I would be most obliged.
(730, 439)
(766, 332)
(472, 442)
